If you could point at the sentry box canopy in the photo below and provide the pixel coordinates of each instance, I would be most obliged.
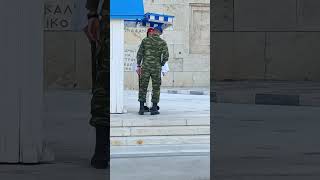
(151, 20)
(132, 11)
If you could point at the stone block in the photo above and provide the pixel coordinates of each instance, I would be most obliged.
(60, 62)
(175, 1)
(175, 65)
(262, 15)
(83, 62)
(179, 51)
(277, 99)
(297, 49)
(167, 80)
(153, 123)
(153, 7)
(179, 11)
(222, 15)
(201, 79)
(238, 55)
(196, 63)
(308, 54)
(171, 50)
(199, 36)
(311, 99)
(178, 130)
(174, 37)
(281, 52)
(222, 55)
(198, 122)
(131, 80)
(183, 79)
(308, 15)
(116, 122)
(166, 140)
(118, 141)
(244, 97)
(119, 132)
(164, 2)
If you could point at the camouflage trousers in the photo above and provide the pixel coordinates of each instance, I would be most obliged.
(100, 110)
(155, 75)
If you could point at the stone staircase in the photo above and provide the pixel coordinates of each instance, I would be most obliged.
(183, 120)
(134, 130)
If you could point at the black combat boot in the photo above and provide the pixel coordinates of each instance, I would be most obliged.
(101, 157)
(141, 110)
(154, 109)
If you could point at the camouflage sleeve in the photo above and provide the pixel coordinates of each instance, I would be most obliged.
(165, 53)
(106, 7)
(140, 53)
(92, 5)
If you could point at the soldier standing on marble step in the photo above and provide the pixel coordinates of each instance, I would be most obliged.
(152, 55)
(98, 31)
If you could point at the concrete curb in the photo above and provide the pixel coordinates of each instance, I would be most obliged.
(160, 150)
(186, 92)
(266, 98)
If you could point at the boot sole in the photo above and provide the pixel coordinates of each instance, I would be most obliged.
(155, 113)
(99, 164)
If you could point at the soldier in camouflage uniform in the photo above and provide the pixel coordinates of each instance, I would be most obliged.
(98, 32)
(152, 55)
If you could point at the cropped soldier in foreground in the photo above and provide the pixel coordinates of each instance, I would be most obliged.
(98, 33)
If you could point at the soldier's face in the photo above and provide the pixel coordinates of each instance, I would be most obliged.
(157, 32)
(150, 33)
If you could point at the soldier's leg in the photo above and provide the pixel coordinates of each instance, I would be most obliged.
(100, 107)
(100, 98)
(156, 82)
(144, 81)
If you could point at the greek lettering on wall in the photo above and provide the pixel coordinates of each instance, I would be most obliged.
(130, 53)
(58, 14)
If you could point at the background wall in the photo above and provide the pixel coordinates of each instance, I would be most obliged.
(188, 42)
(266, 39)
(67, 51)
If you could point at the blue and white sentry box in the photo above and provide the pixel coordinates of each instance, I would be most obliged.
(126, 13)
(120, 10)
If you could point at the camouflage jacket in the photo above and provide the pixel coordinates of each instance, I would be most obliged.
(153, 52)
(93, 5)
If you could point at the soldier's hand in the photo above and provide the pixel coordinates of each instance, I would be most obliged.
(93, 29)
(139, 71)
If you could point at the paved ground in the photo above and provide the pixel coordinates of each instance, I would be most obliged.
(71, 139)
(259, 142)
(299, 93)
(251, 142)
(291, 87)
(161, 168)
(160, 150)
(189, 91)
(171, 106)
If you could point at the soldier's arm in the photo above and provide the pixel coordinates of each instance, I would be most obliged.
(140, 53)
(165, 53)
(105, 8)
(92, 6)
